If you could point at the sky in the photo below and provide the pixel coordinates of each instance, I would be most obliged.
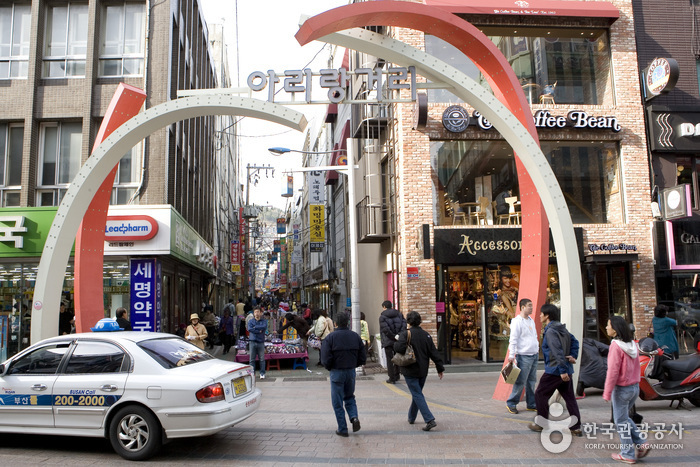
(266, 31)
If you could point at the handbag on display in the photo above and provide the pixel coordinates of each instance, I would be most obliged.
(407, 358)
(510, 373)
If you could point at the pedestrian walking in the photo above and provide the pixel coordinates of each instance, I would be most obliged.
(524, 349)
(341, 352)
(416, 374)
(323, 326)
(391, 324)
(196, 332)
(257, 327)
(622, 388)
(226, 329)
(560, 349)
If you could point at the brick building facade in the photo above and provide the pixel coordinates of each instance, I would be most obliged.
(576, 68)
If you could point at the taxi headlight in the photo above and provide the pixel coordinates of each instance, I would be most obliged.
(211, 393)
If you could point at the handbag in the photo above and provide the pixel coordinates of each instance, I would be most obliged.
(407, 358)
(510, 373)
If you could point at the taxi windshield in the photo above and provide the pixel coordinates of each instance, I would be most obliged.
(173, 352)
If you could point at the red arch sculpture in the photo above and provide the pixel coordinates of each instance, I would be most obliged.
(503, 81)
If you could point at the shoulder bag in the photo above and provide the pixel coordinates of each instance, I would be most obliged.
(407, 358)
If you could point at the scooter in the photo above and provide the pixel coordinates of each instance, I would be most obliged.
(679, 379)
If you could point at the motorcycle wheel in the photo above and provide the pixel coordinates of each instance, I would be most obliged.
(695, 400)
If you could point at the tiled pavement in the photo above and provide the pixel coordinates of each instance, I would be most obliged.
(295, 426)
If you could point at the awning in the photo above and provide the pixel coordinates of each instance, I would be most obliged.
(541, 8)
(613, 258)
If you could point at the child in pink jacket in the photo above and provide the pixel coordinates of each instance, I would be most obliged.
(622, 388)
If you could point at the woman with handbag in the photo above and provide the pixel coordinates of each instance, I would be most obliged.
(322, 327)
(416, 373)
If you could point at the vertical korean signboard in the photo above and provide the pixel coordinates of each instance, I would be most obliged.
(317, 228)
(281, 226)
(145, 294)
(317, 193)
(236, 257)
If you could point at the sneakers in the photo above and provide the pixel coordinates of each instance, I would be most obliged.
(619, 458)
(512, 410)
(344, 434)
(532, 409)
(643, 451)
(355, 424)
(262, 376)
(430, 425)
(411, 422)
(535, 427)
(390, 381)
(578, 433)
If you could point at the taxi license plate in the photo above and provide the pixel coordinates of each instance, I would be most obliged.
(239, 386)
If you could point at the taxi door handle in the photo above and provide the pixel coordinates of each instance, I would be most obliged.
(109, 387)
(39, 387)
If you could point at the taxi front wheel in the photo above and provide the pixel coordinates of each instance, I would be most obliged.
(135, 433)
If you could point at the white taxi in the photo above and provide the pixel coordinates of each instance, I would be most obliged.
(139, 389)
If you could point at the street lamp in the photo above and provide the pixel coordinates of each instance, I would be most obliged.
(349, 170)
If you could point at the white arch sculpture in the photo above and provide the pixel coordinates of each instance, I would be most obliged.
(54, 258)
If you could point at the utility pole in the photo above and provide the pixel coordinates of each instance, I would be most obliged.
(250, 212)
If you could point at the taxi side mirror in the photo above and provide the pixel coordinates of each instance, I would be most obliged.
(2, 369)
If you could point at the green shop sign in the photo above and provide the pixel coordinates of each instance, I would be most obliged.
(23, 231)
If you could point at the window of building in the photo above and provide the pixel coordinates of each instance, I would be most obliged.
(15, 25)
(65, 45)
(128, 177)
(11, 141)
(122, 40)
(467, 171)
(556, 66)
(61, 145)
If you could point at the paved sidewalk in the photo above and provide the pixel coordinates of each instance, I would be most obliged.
(295, 426)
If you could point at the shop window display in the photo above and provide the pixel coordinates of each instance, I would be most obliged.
(588, 173)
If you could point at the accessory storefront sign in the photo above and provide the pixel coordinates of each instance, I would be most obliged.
(479, 246)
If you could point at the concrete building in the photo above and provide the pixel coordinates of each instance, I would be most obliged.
(59, 68)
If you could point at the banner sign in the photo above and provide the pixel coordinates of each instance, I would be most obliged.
(145, 283)
(316, 184)
(281, 226)
(236, 256)
(317, 228)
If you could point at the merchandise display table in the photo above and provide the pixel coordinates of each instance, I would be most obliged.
(273, 359)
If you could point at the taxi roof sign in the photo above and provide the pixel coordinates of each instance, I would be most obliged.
(107, 325)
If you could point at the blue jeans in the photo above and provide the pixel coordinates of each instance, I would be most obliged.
(527, 378)
(623, 398)
(257, 349)
(415, 385)
(343, 392)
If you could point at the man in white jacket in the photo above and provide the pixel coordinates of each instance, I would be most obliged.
(524, 347)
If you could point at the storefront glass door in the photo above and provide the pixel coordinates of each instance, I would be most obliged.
(465, 295)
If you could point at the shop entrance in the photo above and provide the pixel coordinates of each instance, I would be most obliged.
(465, 298)
(607, 294)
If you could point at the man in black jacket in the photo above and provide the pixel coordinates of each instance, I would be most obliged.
(391, 324)
(341, 352)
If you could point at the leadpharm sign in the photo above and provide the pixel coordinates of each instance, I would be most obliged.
(130, 228)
